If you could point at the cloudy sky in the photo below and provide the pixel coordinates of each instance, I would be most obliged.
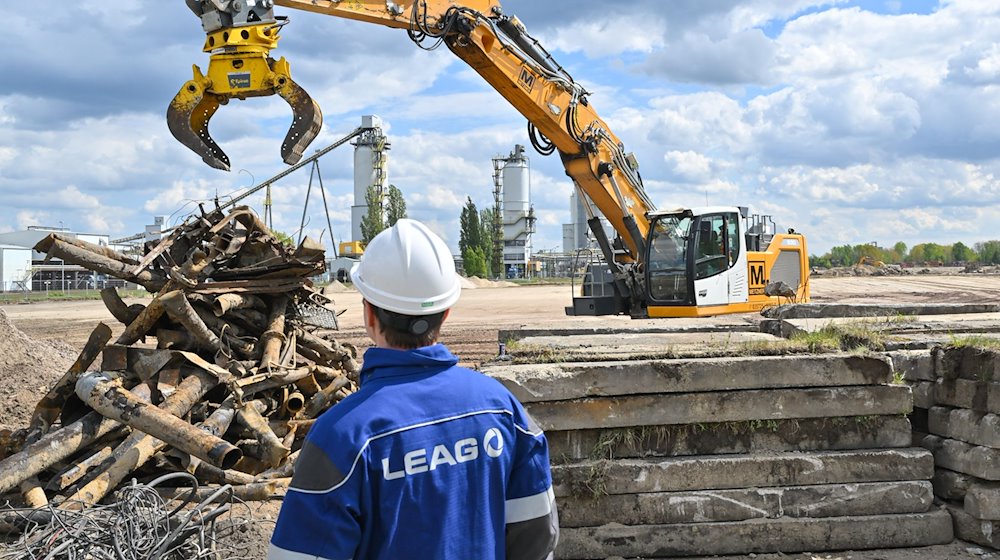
(852, 121)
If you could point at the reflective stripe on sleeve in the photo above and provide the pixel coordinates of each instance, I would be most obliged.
(530, 507)
(278, 553)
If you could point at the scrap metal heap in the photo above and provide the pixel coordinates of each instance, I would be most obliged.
(220, 375)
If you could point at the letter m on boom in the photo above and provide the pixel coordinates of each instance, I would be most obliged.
(757, 277)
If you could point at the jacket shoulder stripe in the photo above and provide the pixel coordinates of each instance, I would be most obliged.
(278, 553)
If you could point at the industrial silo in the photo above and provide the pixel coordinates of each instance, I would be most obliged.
(518, 215)
(371, 161)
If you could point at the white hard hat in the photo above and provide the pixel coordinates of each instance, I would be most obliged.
(409, 270)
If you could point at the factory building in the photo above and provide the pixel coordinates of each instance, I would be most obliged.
(22, 269)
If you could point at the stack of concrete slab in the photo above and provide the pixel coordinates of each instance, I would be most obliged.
(963, 432)
(698, 457)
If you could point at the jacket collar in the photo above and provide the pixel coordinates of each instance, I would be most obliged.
(387, 362)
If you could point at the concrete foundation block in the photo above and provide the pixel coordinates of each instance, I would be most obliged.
(975, 364)
(981, 396)
(722, 406)
(982, 501)
(812, 434)
(838, 500)
(680, 474)
(758, 536)
(968, 528)
(951, 485)
(554, 382)
(977, 428)
(913, 365)
(923, 393)
(980, 462)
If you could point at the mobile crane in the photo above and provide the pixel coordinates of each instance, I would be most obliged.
(678, 263)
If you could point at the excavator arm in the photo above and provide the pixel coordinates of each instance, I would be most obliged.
(240, 34)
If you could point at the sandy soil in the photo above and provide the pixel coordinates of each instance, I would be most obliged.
(471, 332)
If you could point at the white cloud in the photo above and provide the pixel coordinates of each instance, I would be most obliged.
(689, 166)
(610, 35)
(27, 218)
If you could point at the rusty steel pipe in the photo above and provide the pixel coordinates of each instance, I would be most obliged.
(294, 403)
(142, 324)
(271, 449)
(48, 408)
(139, 447)
(71, 475)
(125, 314)
(58, 445)
(276, 381)
(274, 335)
(262, 491)
(308, 386)
(229, 302)
(331, 353)
(178, 308)
(326, 397)
(103, 395)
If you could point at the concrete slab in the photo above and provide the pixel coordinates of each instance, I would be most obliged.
(913, 365)
(951, 485)
(982, 501)
(722, 406)
(812, 434)
(980, 462)
(637, 476)
(511, 335)
(923, 393)
(976, 364)
(837, 500)
(554, 382)
(970, 426)
(757, 536)
(634, 346)
(968, 528)
(964, 393)
(833, 310)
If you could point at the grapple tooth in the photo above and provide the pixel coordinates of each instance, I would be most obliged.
(307, 119)
(187, 118)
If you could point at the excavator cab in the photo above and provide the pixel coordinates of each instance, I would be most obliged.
(239, 36)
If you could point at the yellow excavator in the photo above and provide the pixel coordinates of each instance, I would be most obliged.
(678, 263)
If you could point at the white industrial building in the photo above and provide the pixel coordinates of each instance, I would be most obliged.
(22, 269)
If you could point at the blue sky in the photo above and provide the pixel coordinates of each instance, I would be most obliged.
(849, 121)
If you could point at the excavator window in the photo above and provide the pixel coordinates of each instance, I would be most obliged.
(710, 258)
(667, 262)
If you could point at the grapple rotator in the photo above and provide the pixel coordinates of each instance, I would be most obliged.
(240, 36)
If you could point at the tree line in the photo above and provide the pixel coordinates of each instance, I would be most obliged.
(986, 252)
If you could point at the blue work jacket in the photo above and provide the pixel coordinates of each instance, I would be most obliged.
(426, 460)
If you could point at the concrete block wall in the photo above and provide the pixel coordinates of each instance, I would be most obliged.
(715, 456)
(957, 394)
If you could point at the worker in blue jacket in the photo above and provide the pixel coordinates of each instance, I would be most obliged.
(427, 460)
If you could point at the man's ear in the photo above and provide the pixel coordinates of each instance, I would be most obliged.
(445, 316)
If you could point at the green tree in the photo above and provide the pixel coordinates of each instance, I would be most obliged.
(989, 252)
(917, 254)
(395, 206)
(373, 221)
(474, 262)
(487, 243)
(470, 235)
(961, 253)
(900, 249)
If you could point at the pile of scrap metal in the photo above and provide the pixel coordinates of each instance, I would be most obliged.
(232, 371)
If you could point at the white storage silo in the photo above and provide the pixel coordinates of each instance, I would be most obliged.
(518, 217)
(370, 168)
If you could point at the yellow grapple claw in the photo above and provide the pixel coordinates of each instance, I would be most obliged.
(241, 67)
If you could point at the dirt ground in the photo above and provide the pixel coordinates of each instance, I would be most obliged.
(62, 328)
